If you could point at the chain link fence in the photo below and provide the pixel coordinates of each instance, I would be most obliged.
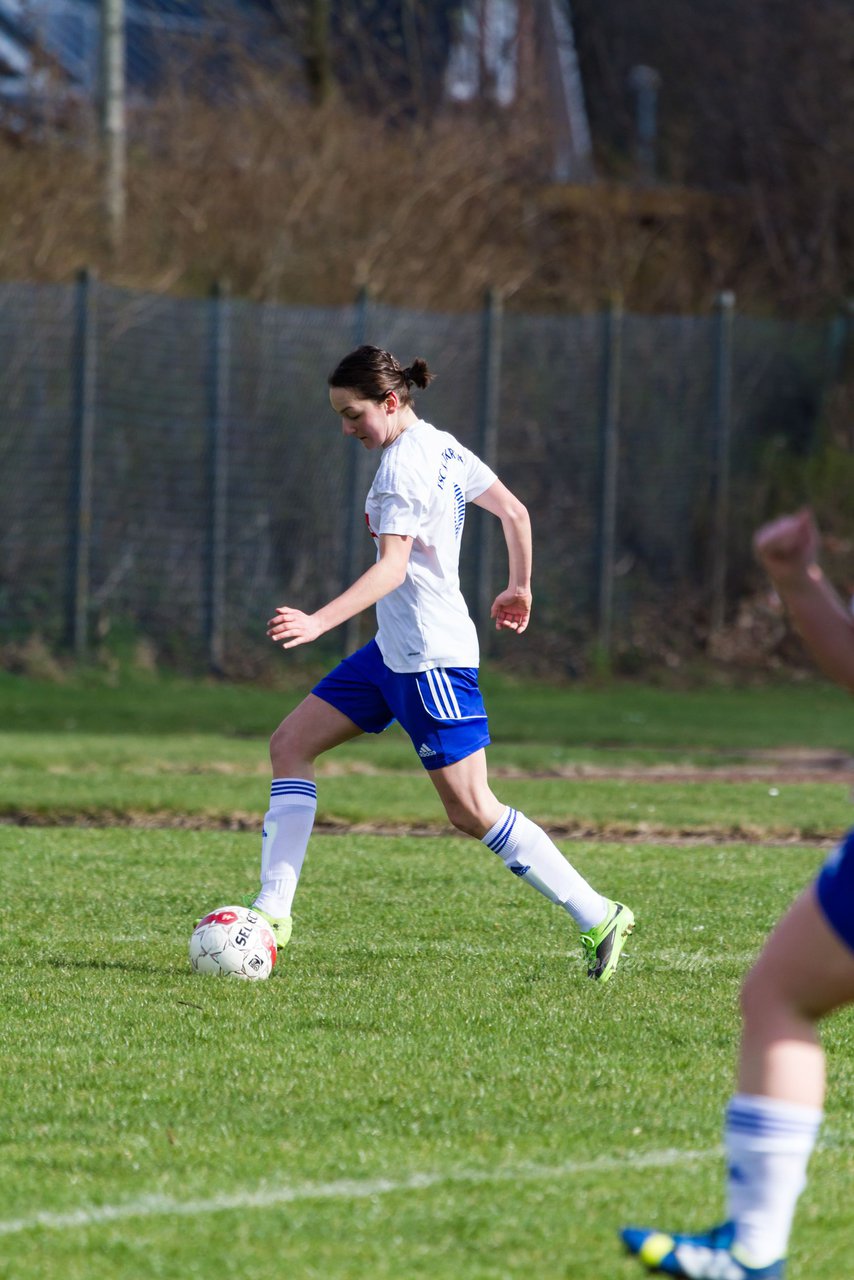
(172, 465)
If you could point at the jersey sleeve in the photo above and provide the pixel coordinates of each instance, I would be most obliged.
(478, 477)
(399, 513)
(402, 498)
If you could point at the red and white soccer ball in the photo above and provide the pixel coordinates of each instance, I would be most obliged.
(233, 942)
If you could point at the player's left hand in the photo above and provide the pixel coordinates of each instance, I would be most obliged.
(788, 546)
(290, 627)
(512, 611)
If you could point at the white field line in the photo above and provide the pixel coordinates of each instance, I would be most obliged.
(344, 1189)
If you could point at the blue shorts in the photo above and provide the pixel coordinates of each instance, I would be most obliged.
(442, 709)
(835, 889)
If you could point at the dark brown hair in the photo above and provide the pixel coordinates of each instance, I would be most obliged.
(373, 373)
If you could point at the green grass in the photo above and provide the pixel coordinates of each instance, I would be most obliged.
(158, 746)
(429, 1086)
(608, 806)
(724, 718)
(430, 1021)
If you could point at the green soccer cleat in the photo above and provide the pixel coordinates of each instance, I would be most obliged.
(604, 944)
(281, 928)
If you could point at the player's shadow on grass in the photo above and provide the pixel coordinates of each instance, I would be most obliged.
(121, 966)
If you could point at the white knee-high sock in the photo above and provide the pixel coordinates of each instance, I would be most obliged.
(768, 1145)
(527, 851)
(287, 827)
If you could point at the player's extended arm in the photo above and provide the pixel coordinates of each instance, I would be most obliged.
(788, 549)
(511, 609)
(290, 627)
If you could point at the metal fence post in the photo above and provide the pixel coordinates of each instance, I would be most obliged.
(838, 359)
(487, 449)
(113, 117)
(85, 374)
(609, 453)
(725, 306)
(839, 341)
(217, 474)
(354, 541)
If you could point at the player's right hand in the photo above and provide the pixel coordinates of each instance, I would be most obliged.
(291, 627)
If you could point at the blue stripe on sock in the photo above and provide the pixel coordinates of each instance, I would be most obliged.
(740, 1120)
(498, 841)
(295, 787)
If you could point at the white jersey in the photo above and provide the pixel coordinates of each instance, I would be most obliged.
(420, 490)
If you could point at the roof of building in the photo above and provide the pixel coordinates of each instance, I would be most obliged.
(67, 33)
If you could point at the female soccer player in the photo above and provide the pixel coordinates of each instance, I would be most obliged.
(421, 669)
(805, 971)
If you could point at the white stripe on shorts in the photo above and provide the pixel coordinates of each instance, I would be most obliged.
(443, 693)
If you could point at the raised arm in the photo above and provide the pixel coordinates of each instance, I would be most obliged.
(511, 608)
(290, 627)
(788, 549)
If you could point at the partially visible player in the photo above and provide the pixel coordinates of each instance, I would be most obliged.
(422, 667)
(805, 971)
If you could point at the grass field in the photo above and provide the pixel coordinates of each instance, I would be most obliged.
(428, 1086)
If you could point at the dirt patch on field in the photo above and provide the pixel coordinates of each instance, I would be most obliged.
(788, 764)
(784, 766)
(769, 767)
(621, 832)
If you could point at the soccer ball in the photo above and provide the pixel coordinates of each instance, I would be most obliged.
(233, 942)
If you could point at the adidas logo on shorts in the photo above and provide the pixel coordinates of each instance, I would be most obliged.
(424, 751)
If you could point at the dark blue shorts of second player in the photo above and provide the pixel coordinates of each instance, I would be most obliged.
(835, 889)
(442, 709)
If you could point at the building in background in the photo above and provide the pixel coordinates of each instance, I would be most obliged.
(50, 49)
(427, 55)
(502, 44)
